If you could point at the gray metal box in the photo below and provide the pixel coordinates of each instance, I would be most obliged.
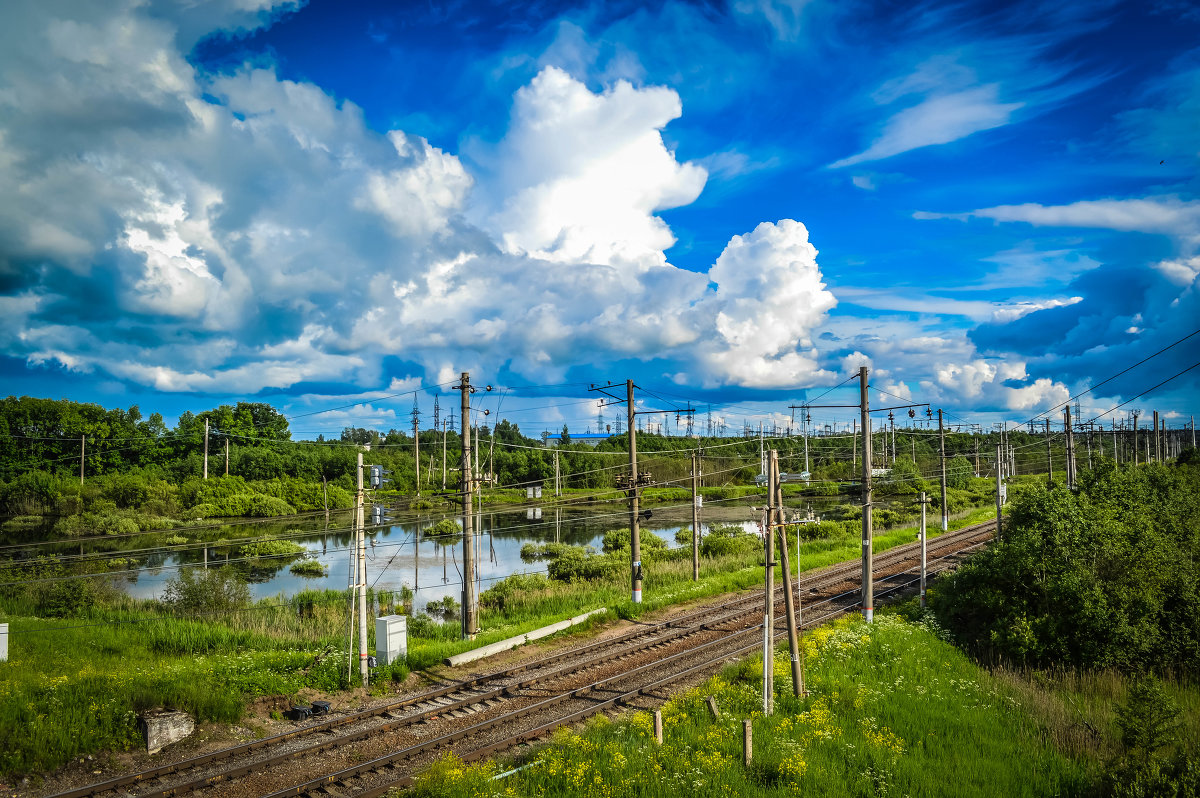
(391, 639)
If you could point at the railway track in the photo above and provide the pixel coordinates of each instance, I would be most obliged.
(368, 752)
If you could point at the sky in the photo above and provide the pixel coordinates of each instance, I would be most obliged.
(338, 207)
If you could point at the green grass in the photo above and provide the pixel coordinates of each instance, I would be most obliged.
(892, 710)
(78, 680)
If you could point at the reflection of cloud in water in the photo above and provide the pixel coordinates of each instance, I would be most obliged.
(433, 570)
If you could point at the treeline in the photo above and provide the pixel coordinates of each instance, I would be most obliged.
(44, 442)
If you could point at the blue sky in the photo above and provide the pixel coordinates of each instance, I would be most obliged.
(994, 206)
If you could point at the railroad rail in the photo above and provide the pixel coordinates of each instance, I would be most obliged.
(368, 752)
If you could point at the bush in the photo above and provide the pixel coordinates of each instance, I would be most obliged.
(445, 528)
(310, 569)
(724, 540)
(618, 540)
(196, 590)
(576, 565)
(1107, 577)
(501, 595)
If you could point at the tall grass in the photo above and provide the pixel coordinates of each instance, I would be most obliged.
(891, 710)
(80, 680)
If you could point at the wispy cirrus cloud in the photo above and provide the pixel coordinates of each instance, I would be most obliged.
(938, 119)
(1163, 215)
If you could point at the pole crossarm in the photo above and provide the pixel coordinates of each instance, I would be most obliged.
(616, 400)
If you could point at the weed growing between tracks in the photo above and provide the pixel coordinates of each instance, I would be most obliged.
(892, 710)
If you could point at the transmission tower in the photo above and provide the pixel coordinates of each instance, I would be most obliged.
(437, 418)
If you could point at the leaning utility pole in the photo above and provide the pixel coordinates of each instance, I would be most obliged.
(942, 445)
(696, 516)
(206, 448)
(789, 599)
(868, 588)
(469, 621)
(360, 523)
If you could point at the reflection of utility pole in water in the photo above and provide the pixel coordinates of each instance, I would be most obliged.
(557, 524)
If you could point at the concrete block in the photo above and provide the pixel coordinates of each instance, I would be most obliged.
(3, 642)
(163, 727)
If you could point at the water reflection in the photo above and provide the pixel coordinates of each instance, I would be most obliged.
(398, 554)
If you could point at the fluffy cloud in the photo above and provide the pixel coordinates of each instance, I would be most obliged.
(770, 298)
(580, 175)
(239, 232)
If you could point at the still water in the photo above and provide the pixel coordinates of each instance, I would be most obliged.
(399, 554)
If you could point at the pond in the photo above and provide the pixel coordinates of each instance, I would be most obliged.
(401, 554)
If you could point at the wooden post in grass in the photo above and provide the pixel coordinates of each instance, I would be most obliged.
(658, 731)
(789, 600)
(747, 742)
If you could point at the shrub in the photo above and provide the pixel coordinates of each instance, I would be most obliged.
(501, 595)
(724, 540)
(575, 565)
(309, 569)
(618, 540)
(447, 527)
(197, 590)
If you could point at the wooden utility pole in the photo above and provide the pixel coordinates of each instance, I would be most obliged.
(868, 587)
(82, 445)
(1049, 454)
(789, 599)
(635, 531)
(696, 516)
(924, 538)
(360, 523)
(557, 485)
(206, 448)
(942, 449)
(469, 622)
(226, 455)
